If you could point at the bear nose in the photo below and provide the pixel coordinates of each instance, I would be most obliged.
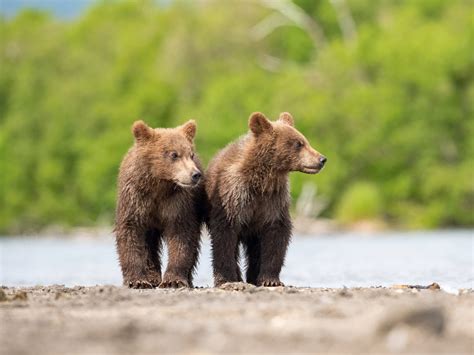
(322, 160)
(196, 176)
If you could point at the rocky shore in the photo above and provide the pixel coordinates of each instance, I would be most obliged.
(236, 318)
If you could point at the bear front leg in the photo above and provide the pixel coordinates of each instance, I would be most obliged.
(183, 252)
(139, 257)
(273, 245)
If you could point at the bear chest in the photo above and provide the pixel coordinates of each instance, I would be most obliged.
(172, 209)
(258, 210)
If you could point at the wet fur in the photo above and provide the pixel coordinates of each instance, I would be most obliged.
(152, 209)
(248, 193)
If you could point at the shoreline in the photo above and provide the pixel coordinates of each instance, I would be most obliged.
(319, 228)
(237, 318)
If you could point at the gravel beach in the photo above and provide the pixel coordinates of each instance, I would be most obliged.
(236, 318)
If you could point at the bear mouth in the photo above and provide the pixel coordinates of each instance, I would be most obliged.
(311, 169)
(186, 186)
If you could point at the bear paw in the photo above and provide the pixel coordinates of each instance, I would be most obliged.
(220, 280)
(270, 283)
(150, 280)
(143, 284)
(174, 282)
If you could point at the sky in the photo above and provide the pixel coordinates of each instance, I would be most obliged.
(61, 8)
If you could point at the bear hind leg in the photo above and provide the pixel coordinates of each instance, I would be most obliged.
(154, 244)
(274, 244)
(225, 254)
(252, 251)
(183, 253)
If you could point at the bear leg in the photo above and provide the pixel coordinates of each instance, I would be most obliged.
(139, 257)
(183, 253)
(252, 250)
(274, 243)
(224, 243)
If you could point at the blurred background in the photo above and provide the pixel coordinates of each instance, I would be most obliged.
(384, 88)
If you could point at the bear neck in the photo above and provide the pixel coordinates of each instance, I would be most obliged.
(262, 169)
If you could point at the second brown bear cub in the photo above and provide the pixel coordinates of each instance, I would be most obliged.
(160, 197)
(247, 188)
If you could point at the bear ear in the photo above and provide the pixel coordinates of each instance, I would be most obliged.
(258, 123)
(287, 118)
(189, 130)
(141, 131)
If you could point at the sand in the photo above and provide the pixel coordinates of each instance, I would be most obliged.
(237, 318)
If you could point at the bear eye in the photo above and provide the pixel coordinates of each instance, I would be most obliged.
(174, 155)
(299, 144)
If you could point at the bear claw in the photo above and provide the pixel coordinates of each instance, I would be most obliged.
(174, 284)
(142, 284)
(271, 283)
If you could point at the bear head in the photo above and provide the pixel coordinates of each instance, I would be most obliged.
(168, 152)
(282, 143)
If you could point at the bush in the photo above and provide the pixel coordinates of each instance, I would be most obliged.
(393, 106)
(361, 201)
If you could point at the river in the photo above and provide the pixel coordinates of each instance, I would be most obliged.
(336, 260)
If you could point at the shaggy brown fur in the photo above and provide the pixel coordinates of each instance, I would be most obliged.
(160, 194)
(249, 200)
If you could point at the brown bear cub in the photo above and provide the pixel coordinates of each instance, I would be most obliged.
(160, 194)
(249, 200)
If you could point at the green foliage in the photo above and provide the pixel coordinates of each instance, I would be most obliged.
(361, 201)
(393, 106)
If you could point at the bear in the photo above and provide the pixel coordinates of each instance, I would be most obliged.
(247, 187)
(160, 198)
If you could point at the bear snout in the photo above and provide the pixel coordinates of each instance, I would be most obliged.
(316, 166)
(312, 161)
(322, 161)
(188, 174)
(195, 177)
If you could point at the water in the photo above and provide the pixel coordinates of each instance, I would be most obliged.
(348, 260)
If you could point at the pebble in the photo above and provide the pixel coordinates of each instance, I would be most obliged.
(3, 296)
